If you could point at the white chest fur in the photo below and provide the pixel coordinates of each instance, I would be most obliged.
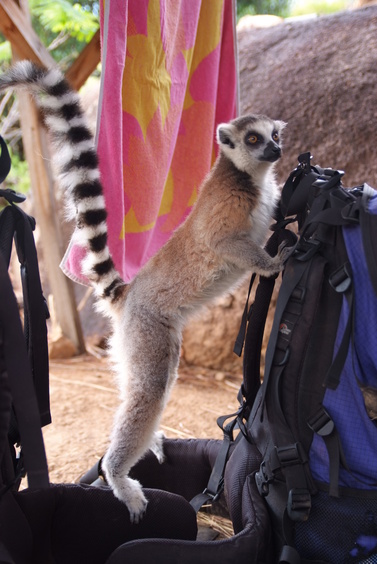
(263, 212)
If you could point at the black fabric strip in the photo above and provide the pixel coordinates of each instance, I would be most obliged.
(334, 373)
(21, 385)
(5, 163)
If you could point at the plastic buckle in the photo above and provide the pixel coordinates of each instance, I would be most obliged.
(298, 294)
(262, 481)
(321, 423)
(12, 197)
(215, 496)
(341, 279)
(306, 249)
(291, 455)
(299, 504)
(351, 212)
(304, 162)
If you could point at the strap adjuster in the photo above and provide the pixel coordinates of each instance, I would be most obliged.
(11, 196)
(291, 455)
(262, 480)
(341, 279)
(321, 423)
(306, 249)
(299, 504)
(215, 496)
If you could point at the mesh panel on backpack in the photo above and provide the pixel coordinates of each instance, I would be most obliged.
(340, 530)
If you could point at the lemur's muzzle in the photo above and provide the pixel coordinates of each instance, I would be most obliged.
(272, 152)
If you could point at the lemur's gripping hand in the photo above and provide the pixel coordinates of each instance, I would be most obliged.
(284, 252)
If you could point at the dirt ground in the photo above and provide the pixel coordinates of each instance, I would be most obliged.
(84, 399)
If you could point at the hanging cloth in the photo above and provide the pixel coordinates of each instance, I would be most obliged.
(168, 78)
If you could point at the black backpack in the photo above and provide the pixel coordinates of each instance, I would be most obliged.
(311, 419)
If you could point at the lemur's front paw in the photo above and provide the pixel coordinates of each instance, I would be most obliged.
(130, 492)
(284, 252)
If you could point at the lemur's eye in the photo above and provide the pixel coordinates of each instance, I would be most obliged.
(252, 139)
(275, 136)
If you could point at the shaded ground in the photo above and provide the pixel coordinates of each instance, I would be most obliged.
(84, 399)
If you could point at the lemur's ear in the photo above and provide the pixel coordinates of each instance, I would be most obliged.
(281, 124)
(224, 135)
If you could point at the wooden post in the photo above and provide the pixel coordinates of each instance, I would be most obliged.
(86, 63)
(35, 145)
(36, 150)
(15, 25)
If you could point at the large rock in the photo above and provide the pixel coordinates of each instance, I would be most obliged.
(208, 340)
(318, 75)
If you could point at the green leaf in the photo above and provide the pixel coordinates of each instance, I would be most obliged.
(62, 16)
(5, 51)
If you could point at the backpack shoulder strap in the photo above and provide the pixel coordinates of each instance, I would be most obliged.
(16, 363)
(16, 224)
(368, 224)
(254, 319)
(35, 310)
(5, 162)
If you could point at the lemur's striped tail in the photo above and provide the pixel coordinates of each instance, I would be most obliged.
(77, 165)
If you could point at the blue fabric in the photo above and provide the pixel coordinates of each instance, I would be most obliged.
(345, 405)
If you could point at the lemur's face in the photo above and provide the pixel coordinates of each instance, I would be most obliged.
(264, 141)
(251, 140)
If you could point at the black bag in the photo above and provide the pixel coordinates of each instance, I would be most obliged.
(309, 419)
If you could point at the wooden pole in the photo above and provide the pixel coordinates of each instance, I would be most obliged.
(35, 145)
(36, 150)
(86, 63)
(15, 25)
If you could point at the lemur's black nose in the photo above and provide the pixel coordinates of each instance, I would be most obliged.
(272, 152)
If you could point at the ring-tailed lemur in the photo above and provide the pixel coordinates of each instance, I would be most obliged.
(217, 244)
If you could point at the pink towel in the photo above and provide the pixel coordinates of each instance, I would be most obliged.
(168, 78)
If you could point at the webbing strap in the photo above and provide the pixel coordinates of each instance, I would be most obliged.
(35, 308)
(14, 223)
(216, 480)
(368, 224)
(334, 372)
(291, 279)
(5, 162)
(322, 424)
(289, 555)
(280, 235)
(21, 384)
(254, 319)
(240, 340)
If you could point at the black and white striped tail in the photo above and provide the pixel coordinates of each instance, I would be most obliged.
(77, 162)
